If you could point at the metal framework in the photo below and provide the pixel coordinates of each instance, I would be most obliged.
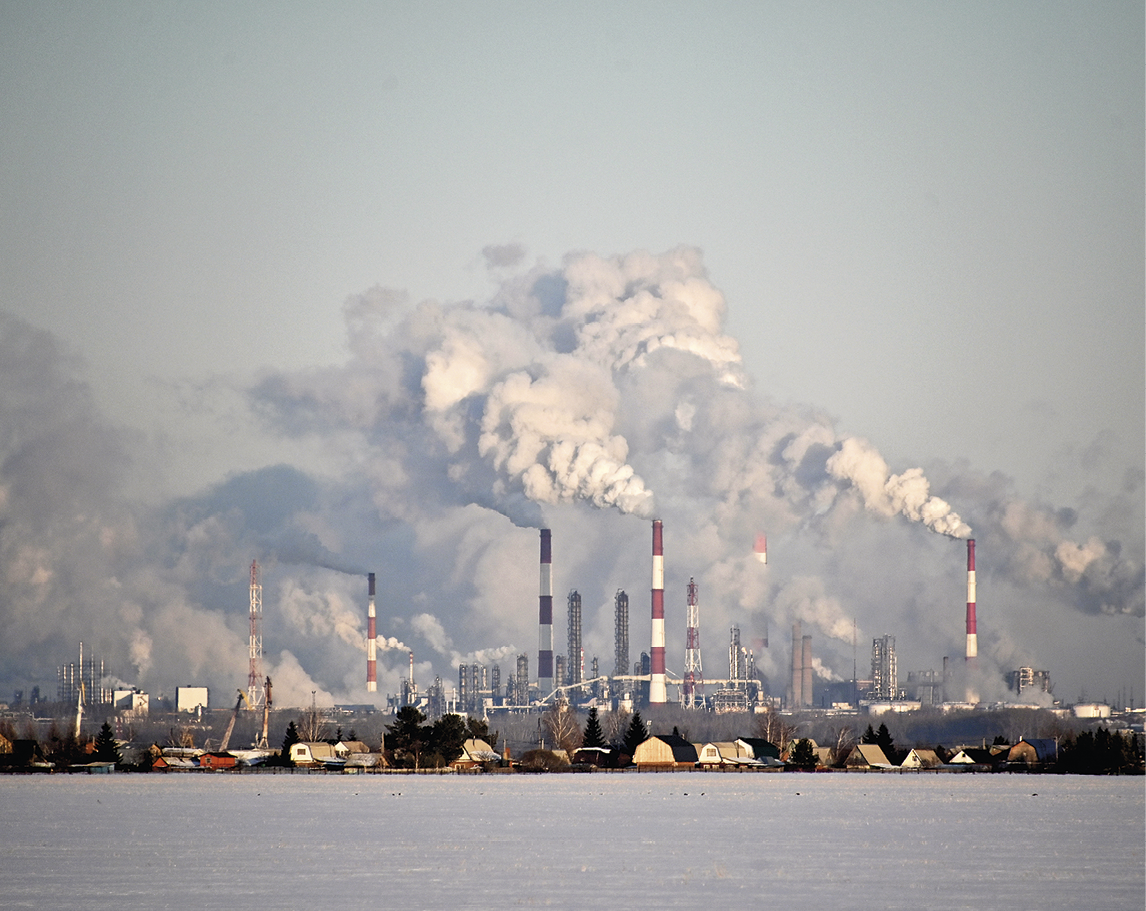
(575, 669)
(884, 676)
(255, 676)
(690, 696)
(621, 623)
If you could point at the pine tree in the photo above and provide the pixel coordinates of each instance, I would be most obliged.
(636, 735)
(883, 740)
(594, 736)
(289, 739)
(868, 735)
(803, 756)
(105, 747)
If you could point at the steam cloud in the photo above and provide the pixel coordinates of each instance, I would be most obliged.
(590, 396)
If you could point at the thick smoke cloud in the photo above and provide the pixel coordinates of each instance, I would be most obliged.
(587, 398)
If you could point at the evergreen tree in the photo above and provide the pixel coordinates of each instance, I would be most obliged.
(407, 738)
(883, 740)
(803, 756)
(290, 738)
(594, 736)
(868, 735)
(636, 735)
(105, 747)
(446, 737)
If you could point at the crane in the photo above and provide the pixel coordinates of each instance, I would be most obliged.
(262, 742)
(231, 724)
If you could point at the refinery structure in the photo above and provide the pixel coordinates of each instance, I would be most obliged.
(576, 679)
(535, 682)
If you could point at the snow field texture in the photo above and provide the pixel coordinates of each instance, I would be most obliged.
(684, 840)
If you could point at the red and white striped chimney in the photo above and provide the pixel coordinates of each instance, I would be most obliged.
(972, 637)
(371, 642)
(545, 617)
(657, 688)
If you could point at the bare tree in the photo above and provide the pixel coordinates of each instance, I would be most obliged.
(562, 727)
(312, 725)
(615, 725)
(845, 740)
(775, 729)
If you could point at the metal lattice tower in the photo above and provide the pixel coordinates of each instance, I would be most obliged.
(574, 669)
(255, 677)
(621, 651)
(884, 676)
(692, 669)
(521, 686)
(737, 669)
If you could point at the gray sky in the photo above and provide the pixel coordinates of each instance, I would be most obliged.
(926, 220)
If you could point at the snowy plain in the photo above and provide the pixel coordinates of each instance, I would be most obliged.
(682, 840)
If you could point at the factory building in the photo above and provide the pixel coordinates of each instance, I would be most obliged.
(190, 698)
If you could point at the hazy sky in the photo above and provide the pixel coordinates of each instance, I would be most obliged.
(926, 219)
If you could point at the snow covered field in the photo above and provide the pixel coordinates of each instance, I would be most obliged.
(657, 841)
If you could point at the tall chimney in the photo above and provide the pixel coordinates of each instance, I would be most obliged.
(657, 689)
(796, 687)
(371, 641)
(806, 671)
(545, 618)
(972, 635)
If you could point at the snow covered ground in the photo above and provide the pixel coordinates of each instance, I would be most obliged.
(693, 840)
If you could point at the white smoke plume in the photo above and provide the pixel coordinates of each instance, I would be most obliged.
(586, 397)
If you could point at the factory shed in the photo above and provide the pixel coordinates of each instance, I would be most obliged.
(921, 759)
(665, 752)
(867, 756)
(1034, 753)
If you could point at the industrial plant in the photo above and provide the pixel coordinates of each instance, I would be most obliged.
(577, 681)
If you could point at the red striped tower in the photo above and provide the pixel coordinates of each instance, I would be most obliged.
(371, 641)
(657, 688)
(545, 617)
(972, 637)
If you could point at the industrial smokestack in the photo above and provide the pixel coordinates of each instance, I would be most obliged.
(371, 641)
(657, 689)
(806, 671)
(796, 686)
(761, 548)
(972, 635)
(545, 618)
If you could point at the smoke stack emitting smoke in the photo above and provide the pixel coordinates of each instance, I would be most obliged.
(595, 383)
